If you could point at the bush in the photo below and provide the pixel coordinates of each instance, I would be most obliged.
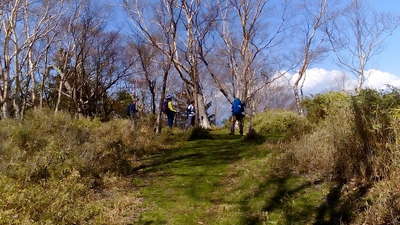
(356, 132)
(321, 152)
(322, 105)
(357, 145)
(383, 200)
(278, 125)
(51, 166)
(383, 203)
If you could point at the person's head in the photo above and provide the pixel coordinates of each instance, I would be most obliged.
(169, 97)
(190, 102)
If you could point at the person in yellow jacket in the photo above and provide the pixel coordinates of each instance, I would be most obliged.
(170, 111)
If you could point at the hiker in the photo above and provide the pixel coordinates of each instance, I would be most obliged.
(132, 110)
(190, 115)
(237, 115)
(170, 111)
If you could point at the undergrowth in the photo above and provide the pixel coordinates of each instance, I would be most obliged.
(58, 170)
(280, 125)
(354, 143)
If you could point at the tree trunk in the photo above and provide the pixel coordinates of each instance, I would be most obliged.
(361, 81)
(204, 122)
(298, 100)
(153, 100)
(4, 98)
(59, 95)
(251, 112)
(4, 110)
(17, 102)
(32, 77)
(162, 99)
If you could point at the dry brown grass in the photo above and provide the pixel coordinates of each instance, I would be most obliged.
(383, 200)
(358, 146)
(58, 170)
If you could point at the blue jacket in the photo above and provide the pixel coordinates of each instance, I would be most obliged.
(237, 107)
(131, 109)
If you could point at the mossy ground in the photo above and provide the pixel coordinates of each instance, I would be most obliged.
(224, 181)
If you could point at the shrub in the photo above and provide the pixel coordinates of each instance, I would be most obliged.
(356, 134)
(383, 200)
(322, 105)
(317, 153)
(278, 125)
(52, 165)
(383, 203)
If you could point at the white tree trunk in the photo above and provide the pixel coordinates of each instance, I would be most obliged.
(4, 111)
(298, 99)
(203, 117)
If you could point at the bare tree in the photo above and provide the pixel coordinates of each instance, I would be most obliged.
(25, 24)
(245, 49)
(89, 62)
(166, 65)
(313, 44)
(176, 21)
(8, 14)
(147, 58)
(358, 35)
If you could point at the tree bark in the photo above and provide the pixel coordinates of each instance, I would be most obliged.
(298, 99)
(162, 99)
(204, 121)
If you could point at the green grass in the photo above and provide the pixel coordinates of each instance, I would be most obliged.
(224, 181)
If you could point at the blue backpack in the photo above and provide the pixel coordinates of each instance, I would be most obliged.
(237, 107)
(131, 109)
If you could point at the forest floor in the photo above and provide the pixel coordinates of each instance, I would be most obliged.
(225, 180)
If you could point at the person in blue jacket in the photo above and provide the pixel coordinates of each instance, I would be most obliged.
(237, 115)
(132, 110)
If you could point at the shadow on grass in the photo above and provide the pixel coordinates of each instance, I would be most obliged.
(335, 210)
(191, 174)
(221, 150)
(282, 193)
(199, 168)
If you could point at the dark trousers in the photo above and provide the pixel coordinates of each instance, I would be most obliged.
(133, 117)
(170, 116)
(190, 121)
(239, 119)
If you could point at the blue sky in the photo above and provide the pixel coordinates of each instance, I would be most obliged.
(324, 76)
(389, 59)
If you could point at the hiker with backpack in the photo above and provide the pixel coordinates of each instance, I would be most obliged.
(168, 108)
(237, 115)
(190, 115)
(132, 110)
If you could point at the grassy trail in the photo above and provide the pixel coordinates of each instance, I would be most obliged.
(224, 181)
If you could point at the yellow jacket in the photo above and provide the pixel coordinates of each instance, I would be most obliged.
(171, 106)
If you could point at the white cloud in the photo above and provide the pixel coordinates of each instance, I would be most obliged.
(321, 80)
(378, 79)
